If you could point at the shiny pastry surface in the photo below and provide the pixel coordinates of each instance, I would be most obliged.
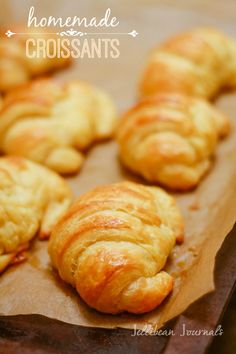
(51, 122)
(113, 243)
(200, 62)
(170, 139)
(32, 199)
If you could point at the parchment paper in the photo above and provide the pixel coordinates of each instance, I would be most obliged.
(209, 211)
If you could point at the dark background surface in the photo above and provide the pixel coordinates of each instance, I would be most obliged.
(226, 344)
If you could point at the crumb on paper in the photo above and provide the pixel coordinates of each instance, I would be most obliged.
(194, 206)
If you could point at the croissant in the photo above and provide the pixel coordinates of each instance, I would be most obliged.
(170, 139)
(112, 244)
(32, 199)
(16, 68)
(51, 122)
(200, 63)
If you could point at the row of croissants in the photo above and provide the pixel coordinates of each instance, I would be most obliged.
(112, 242)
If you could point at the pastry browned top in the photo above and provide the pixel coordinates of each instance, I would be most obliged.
(32, 199)
(170, 138)
(200, 62)
(51, 122)
(113, 243)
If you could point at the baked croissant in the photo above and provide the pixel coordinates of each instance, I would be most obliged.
(170, 139)
(16, 68)
(112, 244)
(200, 62)
(32, 199)
(50, 122)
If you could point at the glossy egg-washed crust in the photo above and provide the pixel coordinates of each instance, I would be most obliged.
(170, 139)
(51, 122)
(32, 199)
(113, 243)
(200, 62)
(16, 68)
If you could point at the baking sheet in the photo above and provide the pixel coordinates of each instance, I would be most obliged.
(209, 211)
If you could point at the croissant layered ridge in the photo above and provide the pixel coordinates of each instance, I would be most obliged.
(32, 199)
(170, 139)
(113, 243)
(52, 123)
(200, 62)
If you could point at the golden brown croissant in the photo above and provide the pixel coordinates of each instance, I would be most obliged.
(200, 62)
(16, 68)
(112, 244)
(49, 122)
(170, 138)
(32, 198)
